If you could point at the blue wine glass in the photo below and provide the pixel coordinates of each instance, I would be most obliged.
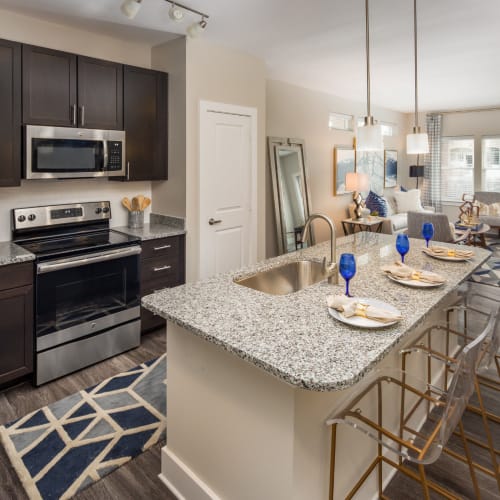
(402, 245)
(347, 268)
(427, 232)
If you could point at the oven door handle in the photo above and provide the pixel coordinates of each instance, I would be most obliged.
(68, 263)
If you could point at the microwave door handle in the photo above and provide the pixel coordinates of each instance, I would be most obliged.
(105, 155)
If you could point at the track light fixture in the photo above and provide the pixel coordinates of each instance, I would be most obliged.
(176, 12)
(131, 7)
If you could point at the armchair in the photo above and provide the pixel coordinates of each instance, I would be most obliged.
(444, 231)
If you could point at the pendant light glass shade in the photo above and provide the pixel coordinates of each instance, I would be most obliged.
(417, 144)
(370, 138)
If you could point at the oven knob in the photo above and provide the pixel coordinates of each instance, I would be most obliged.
(98, 210)
(21, 218)
(105, 210)
(31, 217)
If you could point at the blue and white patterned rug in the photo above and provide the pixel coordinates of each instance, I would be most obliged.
(489, 272)
(68, 445)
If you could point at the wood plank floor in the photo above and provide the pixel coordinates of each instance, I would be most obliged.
(137, 479)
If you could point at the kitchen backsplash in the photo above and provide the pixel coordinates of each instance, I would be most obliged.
(34, 193)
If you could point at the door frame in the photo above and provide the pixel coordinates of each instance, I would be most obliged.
(250, 112)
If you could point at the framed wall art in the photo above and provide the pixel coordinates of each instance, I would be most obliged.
(390, 168)
(344, 161)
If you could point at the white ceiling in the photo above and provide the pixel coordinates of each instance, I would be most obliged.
(319, 44)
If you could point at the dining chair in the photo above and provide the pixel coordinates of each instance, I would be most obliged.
(408, 441)
(443, 231)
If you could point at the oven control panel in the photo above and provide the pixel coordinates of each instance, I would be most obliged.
(39, 217)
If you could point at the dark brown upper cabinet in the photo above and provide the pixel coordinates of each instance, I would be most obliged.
(145, 118)
(67, 90)
(10, 117)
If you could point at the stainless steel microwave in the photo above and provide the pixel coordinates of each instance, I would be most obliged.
(61, 152)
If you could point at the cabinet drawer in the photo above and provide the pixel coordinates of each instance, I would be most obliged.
(160, 269)
(163, 247)
(15, 275)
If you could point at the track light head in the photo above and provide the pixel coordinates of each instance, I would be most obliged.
(176, 13)
(196, 29)
(131, 7)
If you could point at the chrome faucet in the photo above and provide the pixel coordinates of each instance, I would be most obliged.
(331, 269)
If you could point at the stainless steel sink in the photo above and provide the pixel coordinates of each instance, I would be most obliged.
(287, 278)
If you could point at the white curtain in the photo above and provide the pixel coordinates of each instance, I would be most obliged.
(431, 190)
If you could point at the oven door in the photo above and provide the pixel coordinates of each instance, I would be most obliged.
(83, 295)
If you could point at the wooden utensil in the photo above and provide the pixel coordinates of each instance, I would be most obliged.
(140, 201)
(146, 203)
(135, 204)
(126, 204)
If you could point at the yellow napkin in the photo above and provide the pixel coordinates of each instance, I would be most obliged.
(401, 271)
(449, 252)
(350, 306)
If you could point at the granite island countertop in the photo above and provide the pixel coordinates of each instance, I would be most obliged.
(10, 253)
(293, 337)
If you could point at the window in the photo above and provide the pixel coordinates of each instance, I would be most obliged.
(457, 167)
(340, 121)
(388, 129)
(490, 175)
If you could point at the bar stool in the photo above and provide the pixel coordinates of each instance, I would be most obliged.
(478, 305)
(404, 441)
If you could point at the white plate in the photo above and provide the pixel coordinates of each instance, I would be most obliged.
(446, 257)
(414, 283)
(361, 322)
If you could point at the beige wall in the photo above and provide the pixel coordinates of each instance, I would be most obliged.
(293, 111)
(26, 29)
(216, 73)
(169, 197)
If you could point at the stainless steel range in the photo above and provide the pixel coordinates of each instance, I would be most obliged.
(87, 302)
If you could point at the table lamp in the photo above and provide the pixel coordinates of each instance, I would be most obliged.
(357, 182)
(416, 171)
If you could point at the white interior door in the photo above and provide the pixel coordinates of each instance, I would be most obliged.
(227, 188)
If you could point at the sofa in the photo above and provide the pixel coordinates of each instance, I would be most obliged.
(489, 208)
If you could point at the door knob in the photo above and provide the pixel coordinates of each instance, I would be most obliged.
(212, 221)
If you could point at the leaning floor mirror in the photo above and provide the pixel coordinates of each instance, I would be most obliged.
(292, 199)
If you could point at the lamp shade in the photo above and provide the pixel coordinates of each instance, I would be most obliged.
(416, 170)
(417, 144)
(357, 182)
(369, 138)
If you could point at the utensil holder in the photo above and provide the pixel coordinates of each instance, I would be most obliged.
(136, 219)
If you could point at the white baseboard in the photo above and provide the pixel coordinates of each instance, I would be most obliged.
(181, 480)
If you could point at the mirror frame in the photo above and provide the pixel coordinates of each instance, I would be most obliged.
(274, 143)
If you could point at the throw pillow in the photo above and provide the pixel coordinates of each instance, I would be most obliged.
(376, 203)
(494, 209)
(408, 201)
(484, 209)
(402, 189)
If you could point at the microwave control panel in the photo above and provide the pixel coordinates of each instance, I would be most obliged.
(114, 155)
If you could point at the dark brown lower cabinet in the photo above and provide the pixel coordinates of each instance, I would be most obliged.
(16, 321)
(162, 266)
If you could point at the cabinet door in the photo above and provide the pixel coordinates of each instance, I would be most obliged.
(16, 333)
(145, 119)
(100, 94)
(49, 87)
(10, 117)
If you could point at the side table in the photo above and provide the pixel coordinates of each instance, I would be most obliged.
(371, 224)
(476, 238)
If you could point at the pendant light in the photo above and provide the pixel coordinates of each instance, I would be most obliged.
(416, 143)
(369, 137)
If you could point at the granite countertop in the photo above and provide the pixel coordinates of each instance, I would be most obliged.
(293, 337)
(160, 226)
(10, 253)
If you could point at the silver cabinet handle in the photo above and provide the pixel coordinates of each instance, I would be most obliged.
(163, 247)
(163, 268)
(73, 114)
(82, 116)
(127, 172)
(212, 221)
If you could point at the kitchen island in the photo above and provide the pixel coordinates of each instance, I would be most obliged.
(252, 376)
